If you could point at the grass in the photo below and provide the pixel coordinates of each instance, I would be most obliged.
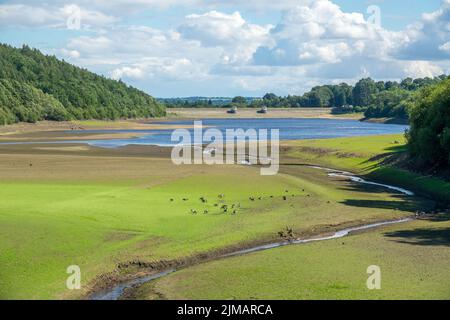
(101, 208)
(364, 155)
(413, 258)
(97, 208)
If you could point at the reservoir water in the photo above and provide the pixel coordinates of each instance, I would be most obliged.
(290, 129)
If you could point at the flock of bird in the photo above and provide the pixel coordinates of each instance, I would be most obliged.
(234, 207)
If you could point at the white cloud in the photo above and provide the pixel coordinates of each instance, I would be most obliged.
(238, 38)
(168, 69)
(328, 53)
(23, 15)
(216, 28)
(20, 15)
(128, 72)
(138, 52)
(314, 42)
(70, 53)
(421, 69)
(429, 39)
(91, 44)
(319, 31)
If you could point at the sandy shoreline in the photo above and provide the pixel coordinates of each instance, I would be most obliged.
(250, 113)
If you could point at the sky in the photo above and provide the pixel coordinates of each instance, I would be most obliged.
(180, 48)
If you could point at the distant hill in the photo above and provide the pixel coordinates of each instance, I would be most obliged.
(34, 86)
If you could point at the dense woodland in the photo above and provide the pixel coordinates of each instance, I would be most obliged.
(429, 135)
(36, 87)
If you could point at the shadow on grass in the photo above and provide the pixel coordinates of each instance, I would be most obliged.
(408, 206)
(422, 236)
(398, 202)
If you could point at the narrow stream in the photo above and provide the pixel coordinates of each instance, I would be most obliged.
(350, 176)
(117, 291)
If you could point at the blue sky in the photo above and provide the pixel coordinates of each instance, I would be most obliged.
(230, 47)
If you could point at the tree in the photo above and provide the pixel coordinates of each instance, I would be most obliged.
(270, 96)
(35, 87)
(429, 134)
(363, 91)
(239, 100)
(342, 95)
(407, 84)
(389, 103)
(323, 96)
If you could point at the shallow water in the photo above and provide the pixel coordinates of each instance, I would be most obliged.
(116, 292)
(350, 176)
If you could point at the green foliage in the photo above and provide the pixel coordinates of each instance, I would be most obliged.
(383, 99)
(429, 135)
(239, 101)
(36, 87)
(22, 102)
(362, 92)
(392, 103)
(200, 102)
(395, 99)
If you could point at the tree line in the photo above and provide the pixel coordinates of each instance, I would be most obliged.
(377, 99)
(34, 86)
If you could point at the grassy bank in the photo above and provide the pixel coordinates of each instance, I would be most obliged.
(367, 156)
(413, 259)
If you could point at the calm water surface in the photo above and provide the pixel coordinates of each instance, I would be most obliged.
(290, 129)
